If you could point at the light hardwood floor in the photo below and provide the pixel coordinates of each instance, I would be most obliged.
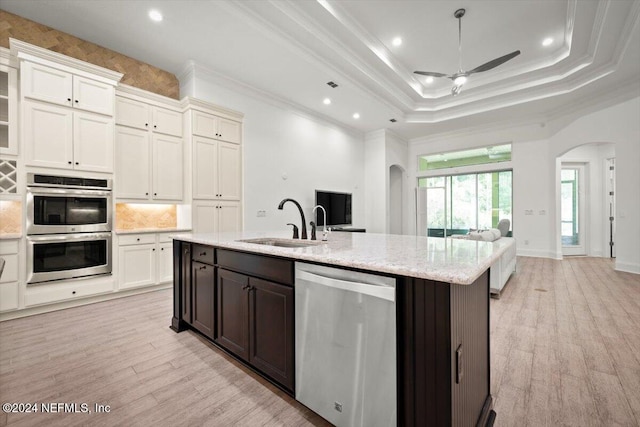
(565, 350)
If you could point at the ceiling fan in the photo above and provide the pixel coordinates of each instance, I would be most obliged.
(460, 78)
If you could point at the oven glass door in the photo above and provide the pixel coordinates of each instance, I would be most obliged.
(68, 256)
(68, 211)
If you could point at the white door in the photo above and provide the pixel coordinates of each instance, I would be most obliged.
(205, 168)
(205, 217)
(133, 166)
(229, 216)
(46, 84)
(229, 171)
(165, 262)
(166, 121)
(92, 142)
(167, 167)
(91, 95)
(572, 209)
(229, 130)
(48, 135)
(132, 113)
(137, 266)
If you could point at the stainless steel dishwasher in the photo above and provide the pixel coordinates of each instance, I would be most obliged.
(346, 345)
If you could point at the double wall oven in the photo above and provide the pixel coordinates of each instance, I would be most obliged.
(69, 223)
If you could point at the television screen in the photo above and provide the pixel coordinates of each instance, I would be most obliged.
(337, 205)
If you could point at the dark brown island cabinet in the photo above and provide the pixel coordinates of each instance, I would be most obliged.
(244, 303)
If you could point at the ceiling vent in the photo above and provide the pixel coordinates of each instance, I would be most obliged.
(332, 84)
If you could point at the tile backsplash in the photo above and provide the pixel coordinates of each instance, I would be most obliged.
(132, 216)
(10, 217)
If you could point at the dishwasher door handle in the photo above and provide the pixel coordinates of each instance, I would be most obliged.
(379, 291)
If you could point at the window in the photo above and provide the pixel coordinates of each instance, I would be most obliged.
(459, 203)
(476, 156)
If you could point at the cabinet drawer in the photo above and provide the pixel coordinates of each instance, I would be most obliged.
(276, 269)
(202, 253)
(45, 294)
(136, 239)
(165, 238)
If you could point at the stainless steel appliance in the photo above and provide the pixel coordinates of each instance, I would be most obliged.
(346, 345)
(69, 222)
(66, 256)
(58, 204)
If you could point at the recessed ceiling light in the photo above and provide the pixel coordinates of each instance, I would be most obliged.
(397, 41)
(356, 115)
(326, 101)
(429, 80)
(547, 42)
(155, 15)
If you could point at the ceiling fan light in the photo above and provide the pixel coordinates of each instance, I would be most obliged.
(460, 80)
(456, 89)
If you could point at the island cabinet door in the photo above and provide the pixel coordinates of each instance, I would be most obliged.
(271, 330)
(233, 319)
(203, 298)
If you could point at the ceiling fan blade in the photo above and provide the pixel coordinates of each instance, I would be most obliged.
(494, 63)
(429, 73)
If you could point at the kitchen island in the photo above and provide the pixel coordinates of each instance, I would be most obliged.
(237, 289)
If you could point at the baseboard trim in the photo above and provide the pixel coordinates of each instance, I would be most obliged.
(535, 253)
(627, 267)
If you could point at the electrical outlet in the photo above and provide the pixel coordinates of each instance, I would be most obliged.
(528, 211)
(542, 212)
(262, 214)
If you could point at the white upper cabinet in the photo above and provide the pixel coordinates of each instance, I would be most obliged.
(64, 88)
(133, 163)
(133, 113)
(215, 127)
(61, 138)
(216, 169)
(212, 217)
(167, 168)
(8, 110)
(92, 142)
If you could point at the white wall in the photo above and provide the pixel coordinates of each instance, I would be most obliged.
(286, 154)
(384, 149)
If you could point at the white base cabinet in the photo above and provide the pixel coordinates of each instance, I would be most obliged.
(144, 260)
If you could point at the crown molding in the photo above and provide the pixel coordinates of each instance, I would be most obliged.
(32, 53)
(146, 96)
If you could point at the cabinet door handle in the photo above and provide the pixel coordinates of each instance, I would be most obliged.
(146, 124)
(69, 99)
(204, 267)
(162, 249)
(76, 101)
(186, 250)
(138, 240)
(73, 292)
(146, 194)
(154, 249)
(155, 194)
(77, 163)
(70, 162)
(203, 254)
(244, 288)
(154, 126)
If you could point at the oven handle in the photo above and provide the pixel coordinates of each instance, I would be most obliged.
(69, 237)
(68, 192)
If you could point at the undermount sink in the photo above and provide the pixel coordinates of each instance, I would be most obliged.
(285, 243)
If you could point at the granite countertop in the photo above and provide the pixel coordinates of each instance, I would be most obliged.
(152, 230)
(445, 260)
